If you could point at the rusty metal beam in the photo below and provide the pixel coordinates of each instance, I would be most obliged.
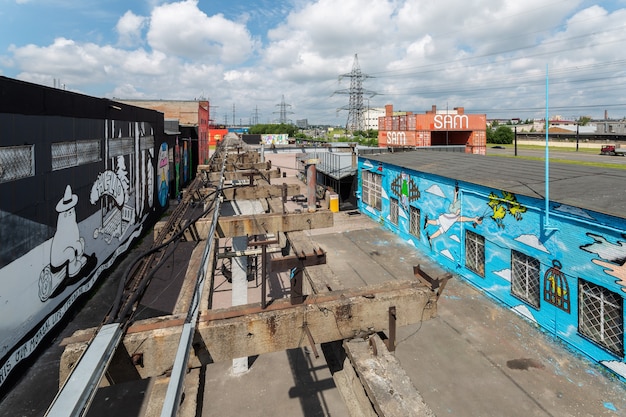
(436, 285)
(318, 257)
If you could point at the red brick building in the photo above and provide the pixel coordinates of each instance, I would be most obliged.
(193, 117)
(433, 128)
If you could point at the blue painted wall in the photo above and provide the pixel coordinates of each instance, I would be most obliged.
(578, 244)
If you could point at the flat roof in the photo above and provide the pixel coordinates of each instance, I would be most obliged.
(593, 188)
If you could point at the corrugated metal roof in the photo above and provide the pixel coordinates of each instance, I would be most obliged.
(588, 187)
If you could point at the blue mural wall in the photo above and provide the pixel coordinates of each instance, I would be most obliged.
(580, 253)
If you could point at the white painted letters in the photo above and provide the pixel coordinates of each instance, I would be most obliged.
(396, 138)
(451, 121)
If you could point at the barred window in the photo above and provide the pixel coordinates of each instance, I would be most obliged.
(525, 278)
(17, 162)
(475, 252)
(414, 222)
(393, 210)
(600, 316)
(372, 189)
(74, 153)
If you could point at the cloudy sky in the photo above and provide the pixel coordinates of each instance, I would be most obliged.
(489, 56)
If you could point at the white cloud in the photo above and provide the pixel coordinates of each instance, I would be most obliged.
(522, 310)
(532, 241)
(182, 29)
(447, 254)
(574, 211)
(76, 63)
(436, 190)
(129, 29)
(485, 56)
(616, 366)
(504, 273)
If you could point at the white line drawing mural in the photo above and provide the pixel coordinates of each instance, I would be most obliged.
(112, 187)
(67, 253)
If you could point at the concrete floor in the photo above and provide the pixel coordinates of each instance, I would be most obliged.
(477, 358)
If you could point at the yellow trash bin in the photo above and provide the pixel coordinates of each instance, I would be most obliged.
(334, 203)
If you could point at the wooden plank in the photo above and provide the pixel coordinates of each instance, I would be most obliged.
(388, 387)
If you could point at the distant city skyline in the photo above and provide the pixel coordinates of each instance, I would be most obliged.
(488, 57)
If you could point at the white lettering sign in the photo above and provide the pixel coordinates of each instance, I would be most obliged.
(396, 138)
(451, 121)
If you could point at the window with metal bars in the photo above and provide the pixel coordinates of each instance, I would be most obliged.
(17, 162)
(475, 252)
(371, 192)
(525, 278)
(600, 316)
(414, 222)
(74, 153)
(393, 210)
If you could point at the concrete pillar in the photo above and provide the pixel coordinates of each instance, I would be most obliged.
(311, 181)
(240, 290)
(262, 151)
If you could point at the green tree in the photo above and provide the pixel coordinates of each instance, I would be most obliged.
(262, 129)
(583, 120)
(502, 135)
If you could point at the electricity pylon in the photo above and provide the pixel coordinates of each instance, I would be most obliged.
(356, 91)
(282, 118)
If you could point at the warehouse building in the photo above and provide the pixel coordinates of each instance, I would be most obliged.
(548, 242)
(451, 128)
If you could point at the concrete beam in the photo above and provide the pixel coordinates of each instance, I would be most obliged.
(258, 191)
(241, 158)
(236, 332)
(260, 224)
(245, 174)
(388, 387)
(248, 330)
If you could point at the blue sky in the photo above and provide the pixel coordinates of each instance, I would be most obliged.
(485, 55)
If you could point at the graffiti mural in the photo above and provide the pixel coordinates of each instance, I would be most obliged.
(612, 257)
(569, 279)
(97, 217)
(163, 173)
(68, 261)
(448, 218)
(556, 288)
(501, 206)
(405, 187)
